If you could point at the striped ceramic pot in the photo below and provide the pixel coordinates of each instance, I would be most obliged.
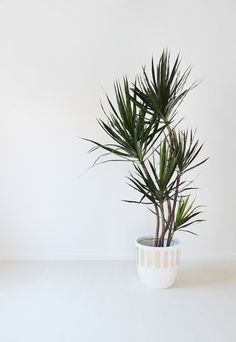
(157, 266)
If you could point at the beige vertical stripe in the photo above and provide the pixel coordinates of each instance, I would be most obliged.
(141, 257)
(165, 259)
(172, 263)
(157, 259)
(149, 259)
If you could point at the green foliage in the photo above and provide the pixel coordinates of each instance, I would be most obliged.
(167, 165)
(187, 150)
(165, 89)
(140, 124)
(185, 214)
(128, 126)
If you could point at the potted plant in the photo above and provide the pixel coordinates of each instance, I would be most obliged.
(144, 130)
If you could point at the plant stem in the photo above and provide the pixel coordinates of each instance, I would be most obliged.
(169, 222)
(154, 203)
(157, 225)
(171, 213)
(170, 236)
(164, 224)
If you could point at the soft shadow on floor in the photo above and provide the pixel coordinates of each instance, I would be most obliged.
(196, 274)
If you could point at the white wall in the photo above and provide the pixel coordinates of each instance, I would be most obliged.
(57, 58)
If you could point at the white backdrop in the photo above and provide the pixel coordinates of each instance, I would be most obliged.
(57, 59)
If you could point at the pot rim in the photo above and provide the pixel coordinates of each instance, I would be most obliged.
(138, 243)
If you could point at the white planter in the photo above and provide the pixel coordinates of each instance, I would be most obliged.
(157, 266)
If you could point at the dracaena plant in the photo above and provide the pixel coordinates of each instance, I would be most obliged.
(144, 131)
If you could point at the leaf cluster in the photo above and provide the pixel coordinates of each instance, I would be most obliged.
(164, 90)
(185, 214)
(186, 149)
(140, 125)
(129, 126)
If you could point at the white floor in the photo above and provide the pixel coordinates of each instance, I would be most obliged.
(104, 301)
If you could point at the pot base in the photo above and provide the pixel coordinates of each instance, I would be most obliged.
(157, 279)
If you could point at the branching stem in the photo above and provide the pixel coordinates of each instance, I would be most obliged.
(147, 174)
(172, 217)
